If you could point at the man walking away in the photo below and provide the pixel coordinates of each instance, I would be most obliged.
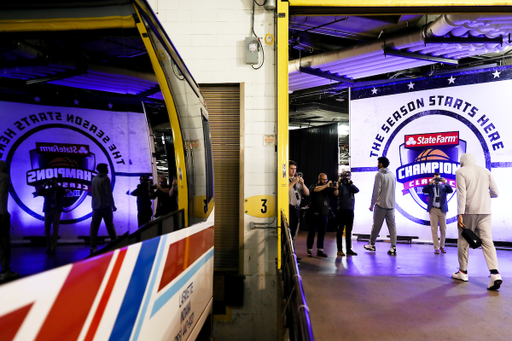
(475, 188)
(383, 205)
(102, 205)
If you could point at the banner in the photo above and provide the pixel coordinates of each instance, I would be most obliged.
(41, 142)
(423, 126)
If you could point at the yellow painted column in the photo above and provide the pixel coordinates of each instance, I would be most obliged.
(282, 117)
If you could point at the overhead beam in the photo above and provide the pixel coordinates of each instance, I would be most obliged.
(325, 74)
(462, 40)
(58, 76)
(411, 55)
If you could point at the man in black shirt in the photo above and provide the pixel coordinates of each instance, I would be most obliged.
(345, 213)
(143, 192)
(319, 209)
(53, 195)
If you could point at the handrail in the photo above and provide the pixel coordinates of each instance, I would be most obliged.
(173, 221)
(296, 308)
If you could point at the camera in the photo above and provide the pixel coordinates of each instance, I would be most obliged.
(345, 181)
(332, 184)
(299, 174)
(438, 179)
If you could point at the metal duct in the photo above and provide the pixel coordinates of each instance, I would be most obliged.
(368, 59)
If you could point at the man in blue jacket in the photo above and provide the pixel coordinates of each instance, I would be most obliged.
(437, 208)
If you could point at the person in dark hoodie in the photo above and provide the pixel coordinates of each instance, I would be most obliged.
(345, 213)
(383, 205)
(52, 208)
(102, 205)
(5, 226)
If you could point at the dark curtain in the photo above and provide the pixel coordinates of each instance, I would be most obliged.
(316, 151)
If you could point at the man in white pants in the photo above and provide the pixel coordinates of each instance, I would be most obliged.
(475, 188)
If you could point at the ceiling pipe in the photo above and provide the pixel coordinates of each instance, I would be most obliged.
(459, 23)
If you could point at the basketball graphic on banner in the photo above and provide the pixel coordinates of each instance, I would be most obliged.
(432, 155)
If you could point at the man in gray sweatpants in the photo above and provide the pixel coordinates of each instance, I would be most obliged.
(475, 188)
(383, 205)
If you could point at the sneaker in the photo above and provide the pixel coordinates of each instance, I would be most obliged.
(8, 275)
(370, 247)
(93, 250)
(461, 276)
(392, 251)
(436, 252)
(443, 250)
(321, 254)
(299, 259)
(341, 254)
(495, 282)
(351, 253)
(310, 254)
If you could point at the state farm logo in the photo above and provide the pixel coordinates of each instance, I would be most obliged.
(426, 140)
(422, 155)
(62, 149)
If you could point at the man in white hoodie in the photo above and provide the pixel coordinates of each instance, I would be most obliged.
(475, 188)
(383, 205)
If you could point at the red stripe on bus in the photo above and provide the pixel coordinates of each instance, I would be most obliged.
(106, 296)
(11, 323)
(199, 243)
(71, 307)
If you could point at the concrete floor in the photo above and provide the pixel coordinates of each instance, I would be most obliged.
(374, 296)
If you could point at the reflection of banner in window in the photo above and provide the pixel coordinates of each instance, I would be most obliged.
(67, 144)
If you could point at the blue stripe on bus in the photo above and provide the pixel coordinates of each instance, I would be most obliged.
(135, 292)
(150, 288)
(167, 295)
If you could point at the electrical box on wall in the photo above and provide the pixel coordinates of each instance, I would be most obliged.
(252, 50)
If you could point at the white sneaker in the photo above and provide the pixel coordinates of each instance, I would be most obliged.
(495, 282)
(392, 251)
(370, 247)
(461, 276)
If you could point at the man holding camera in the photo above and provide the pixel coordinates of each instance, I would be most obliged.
(296, 188)
(345, 213)
(319, 209)
(437, 208)
(383, 205)
(52, 208)
(144, 193)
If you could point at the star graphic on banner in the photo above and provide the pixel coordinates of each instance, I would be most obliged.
(374, 91)
(451, 80)
(110, 105)
(76, 102)
(37, 99)
(410, 85)
(496, 74)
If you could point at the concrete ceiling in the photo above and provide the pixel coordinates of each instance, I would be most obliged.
(330, 54)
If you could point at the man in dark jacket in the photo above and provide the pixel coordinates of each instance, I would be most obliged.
(345, 213)
(5, 226)
(144, 193)
(52, 208)
(319, 213)
(437, 208)
(102, 204)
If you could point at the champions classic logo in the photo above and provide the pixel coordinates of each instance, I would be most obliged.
(49, 145)
(422, 155)
(72, 164)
